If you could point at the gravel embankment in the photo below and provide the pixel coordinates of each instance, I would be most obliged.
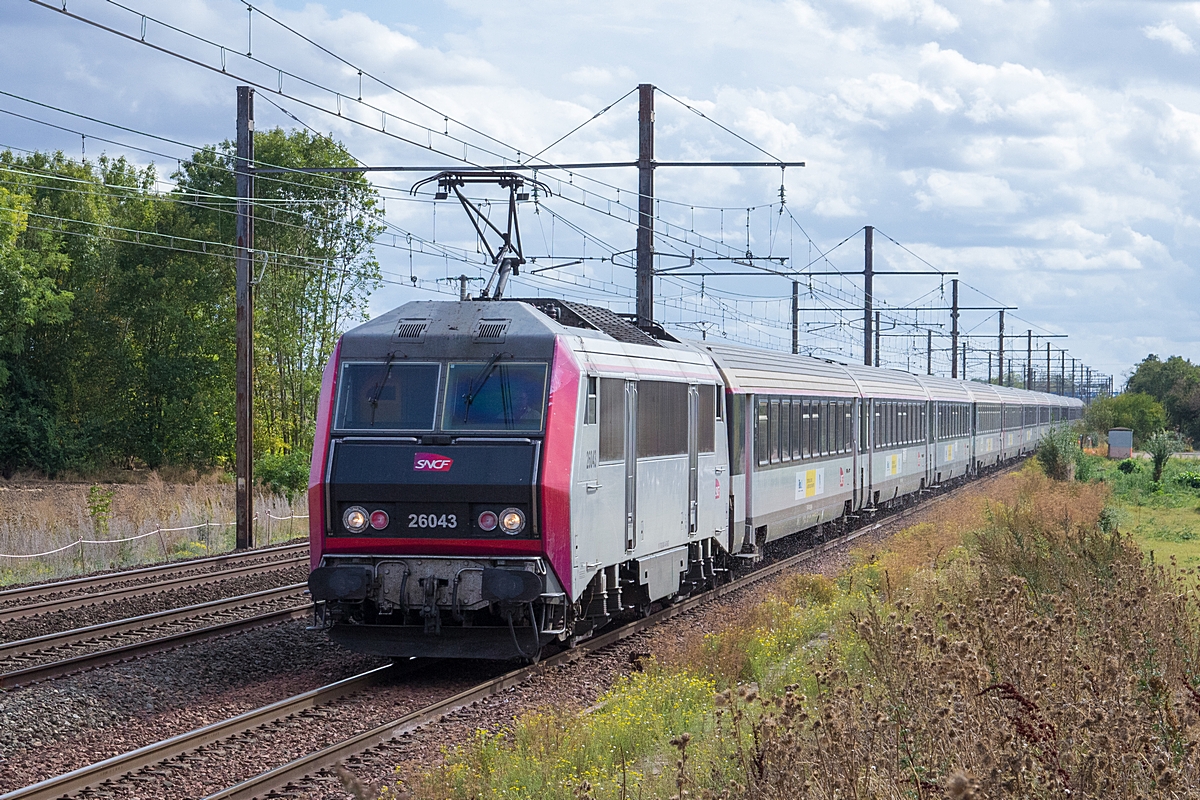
(124, 608)
(54, 727)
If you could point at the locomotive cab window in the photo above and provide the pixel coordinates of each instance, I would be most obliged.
(612, 419)
(387, 396)
(494, 396)
(590, 410)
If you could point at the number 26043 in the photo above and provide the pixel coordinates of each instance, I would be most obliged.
(432, 521)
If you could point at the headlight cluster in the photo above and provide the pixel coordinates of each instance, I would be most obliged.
(510, 521)
(356, 519)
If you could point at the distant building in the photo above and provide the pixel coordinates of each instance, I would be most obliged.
(1120, 443)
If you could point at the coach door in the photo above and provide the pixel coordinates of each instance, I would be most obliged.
(694, 457)
(630, 465)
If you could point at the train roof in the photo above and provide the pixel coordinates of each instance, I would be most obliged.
(747, 369)
(880, 382)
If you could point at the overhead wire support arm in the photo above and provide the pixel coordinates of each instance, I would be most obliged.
(507, 256)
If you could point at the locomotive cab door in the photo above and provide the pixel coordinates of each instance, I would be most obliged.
(630, 465)
(694, 459)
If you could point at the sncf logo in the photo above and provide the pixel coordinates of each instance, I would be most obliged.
(431, 462)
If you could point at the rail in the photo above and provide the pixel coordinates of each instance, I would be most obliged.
(141, 590)
(111, 655)
(76, 584)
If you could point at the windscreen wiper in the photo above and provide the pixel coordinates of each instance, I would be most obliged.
(477, 384)
(374, 398)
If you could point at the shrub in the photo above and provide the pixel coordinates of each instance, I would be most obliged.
(1190, 479)
(283, 473)
(1057, 453)
(1160, 446)
(1128, 466)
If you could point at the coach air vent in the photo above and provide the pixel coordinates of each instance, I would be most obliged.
(491, 330)
(411, 330)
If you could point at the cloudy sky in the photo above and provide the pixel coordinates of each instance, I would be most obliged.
(1047, 152)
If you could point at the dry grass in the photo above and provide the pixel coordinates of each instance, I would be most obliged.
(1015, 645)
(37, 516)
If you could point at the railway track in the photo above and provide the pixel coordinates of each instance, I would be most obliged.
(56, 654)
(189, 748)
(28, 601)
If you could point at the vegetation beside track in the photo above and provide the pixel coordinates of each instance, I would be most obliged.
(39, 516)
(1014, 644)
(1162, 516)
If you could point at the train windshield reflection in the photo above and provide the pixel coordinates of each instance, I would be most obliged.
(387, 396)
(494, 396)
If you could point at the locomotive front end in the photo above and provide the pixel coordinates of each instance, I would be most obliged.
(432, 538)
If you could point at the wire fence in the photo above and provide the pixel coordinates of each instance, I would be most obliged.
(80, 542)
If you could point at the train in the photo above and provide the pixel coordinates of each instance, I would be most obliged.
(493, 477)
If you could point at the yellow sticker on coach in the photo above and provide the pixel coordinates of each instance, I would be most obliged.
(810, 483)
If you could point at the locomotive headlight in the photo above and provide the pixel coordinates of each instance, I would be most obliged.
(356, 519)
(512, 520)
(488, 521)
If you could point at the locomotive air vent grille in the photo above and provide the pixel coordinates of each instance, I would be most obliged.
(491, 330)
(411, 330)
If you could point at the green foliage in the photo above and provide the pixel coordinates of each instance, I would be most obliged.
(284, 473)
(1176, 384)
(1161, 446)
(1086, 467)
(99, 506)
(548, 754)
(1190, 479)
(1057, 453)
(117, 353)
(1141, 413)
(1129, 466)
(299, 311)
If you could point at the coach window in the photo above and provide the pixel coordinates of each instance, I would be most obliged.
(709, 411)
(736, 430)
(762, 448)
(835, 411)
(612, 419)
(785, 430)
(847, 426)
(826, 429)
(797, 420)
(774, 432)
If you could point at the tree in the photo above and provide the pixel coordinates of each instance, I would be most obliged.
(1141, 413)
(1161, 446)
(320, 229)
(1176, 384)
(117, 303)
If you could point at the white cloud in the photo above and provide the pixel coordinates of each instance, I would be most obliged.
(914, 12)
(1055, 176)
(952, 191)
(1170, 33)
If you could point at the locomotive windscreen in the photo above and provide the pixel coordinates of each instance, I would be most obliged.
(494, 396)
(387, 396)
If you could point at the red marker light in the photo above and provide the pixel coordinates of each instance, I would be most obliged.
(488, 520)
(379, 519)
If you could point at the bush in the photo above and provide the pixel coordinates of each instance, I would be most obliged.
(1161, 446)
(1128, 466)
(1057, 453)
(283, 473)
(1190, 479)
